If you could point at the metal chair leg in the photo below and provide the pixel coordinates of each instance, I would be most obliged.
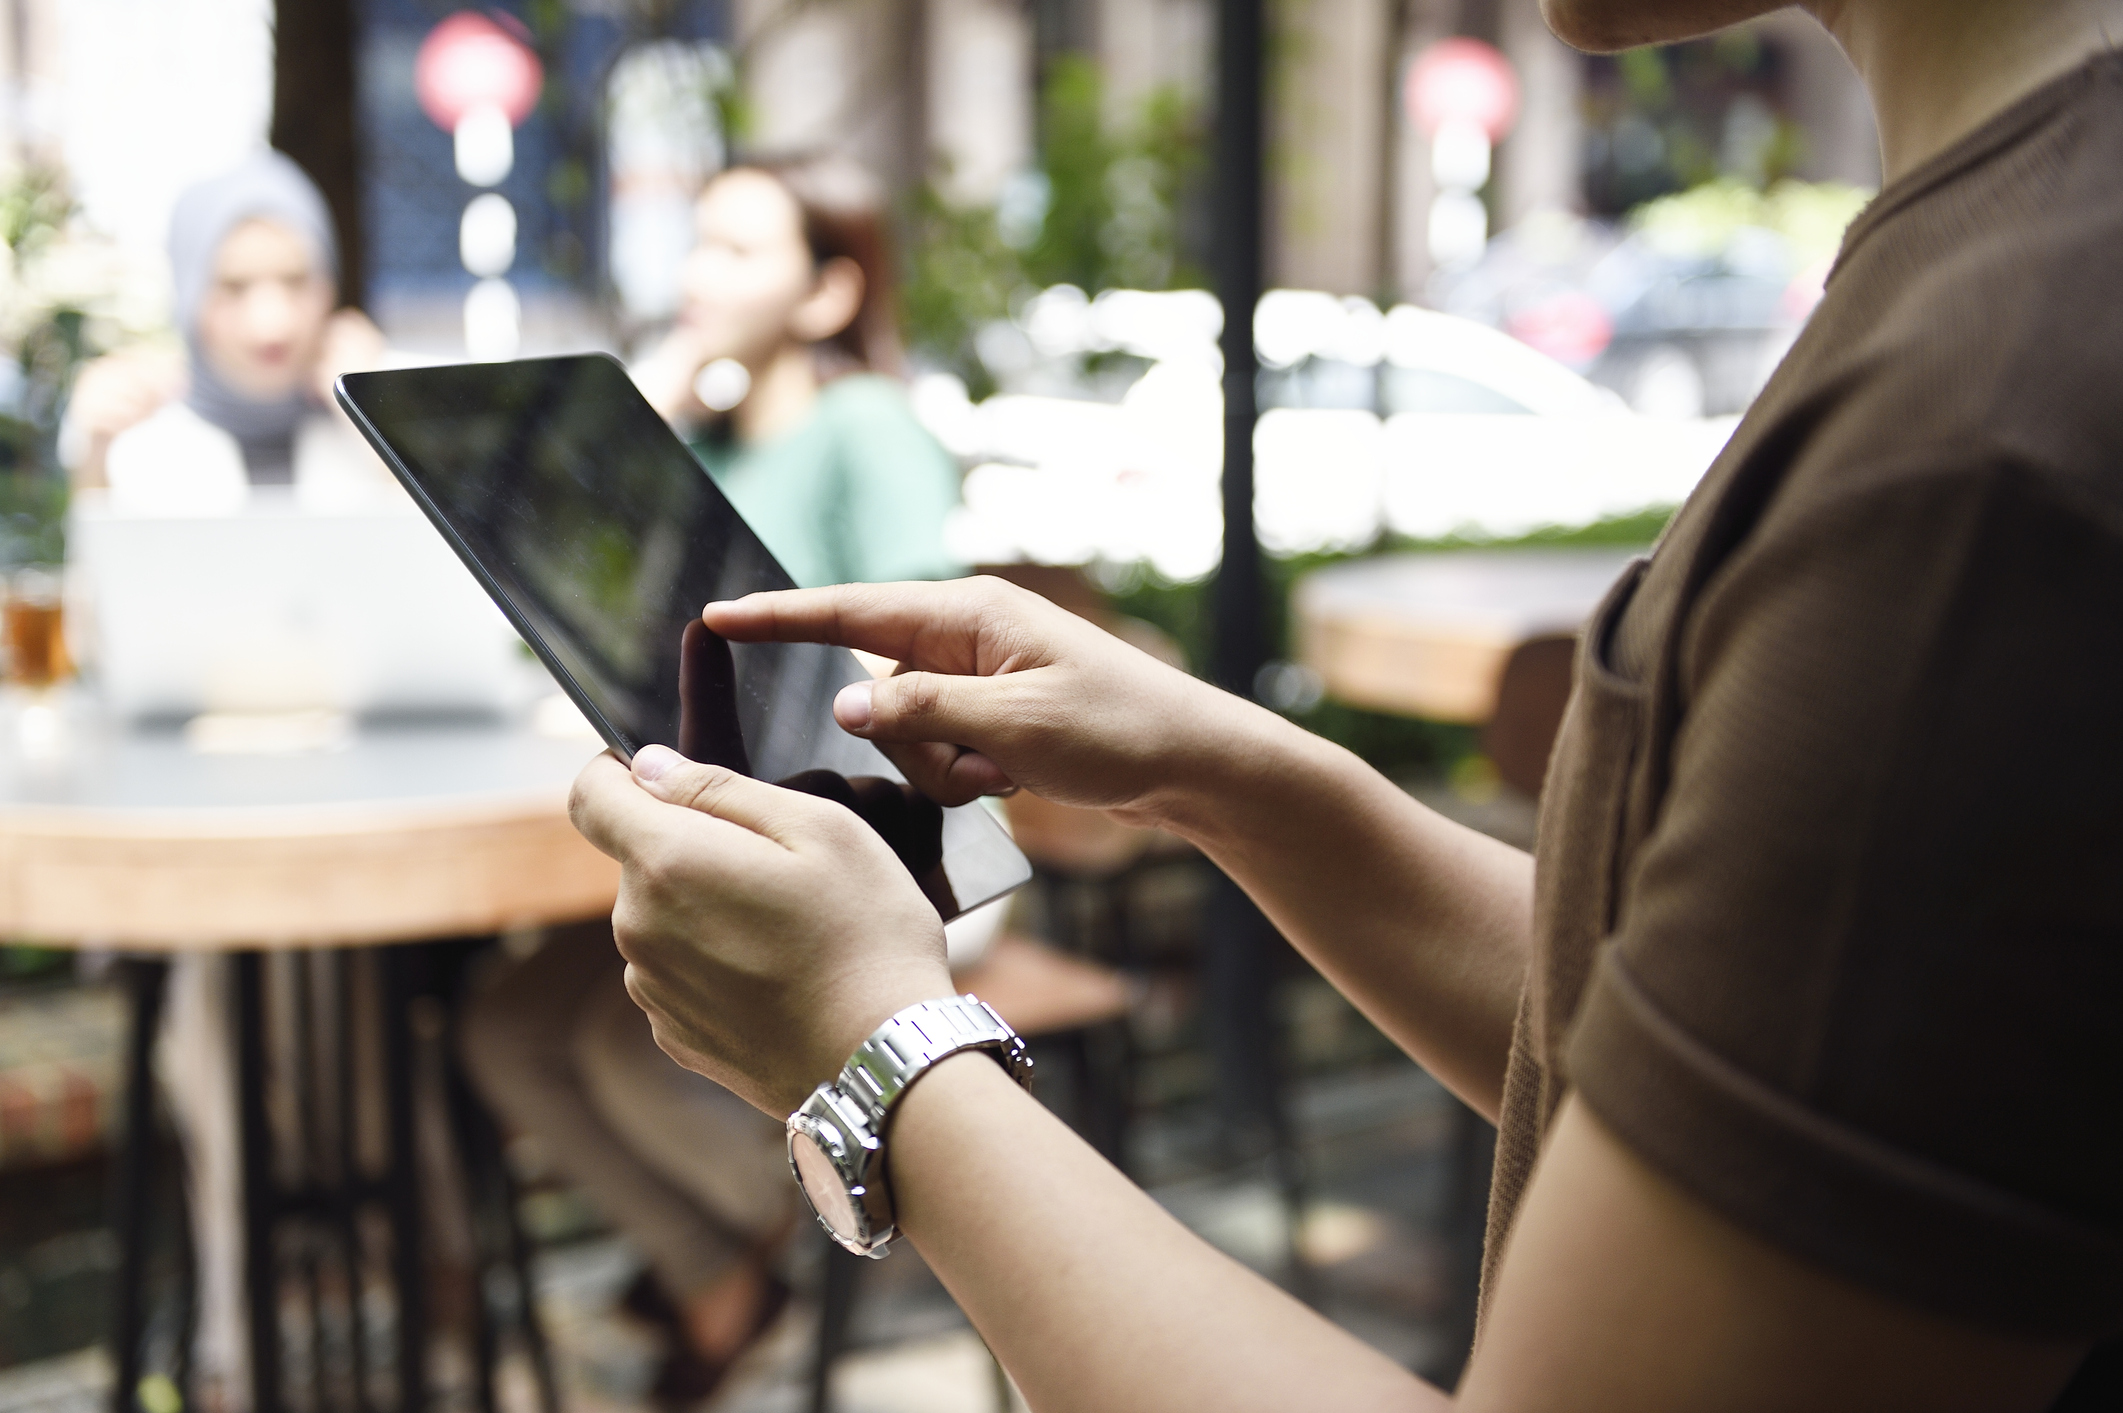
(836, 1308)
(1239, 986)
(495, 1188)
(146, 980)
(261, 1274)
(403, 1183)
(345, 1215)
(533, 1326)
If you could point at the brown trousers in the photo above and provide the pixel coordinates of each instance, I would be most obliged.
(691, 1174)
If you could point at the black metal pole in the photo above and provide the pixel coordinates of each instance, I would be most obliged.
(403, 1185)
(1239, 968)
(261, 1284)
(1236, 983)
(145, 980)
(1241, 152)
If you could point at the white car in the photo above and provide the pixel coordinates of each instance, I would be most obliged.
(1500, 440)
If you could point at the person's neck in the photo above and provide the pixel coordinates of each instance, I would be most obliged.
(1938, 69)
(783, 389)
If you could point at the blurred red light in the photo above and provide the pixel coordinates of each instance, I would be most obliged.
(468, 60)
(1462, 80)
(1570, 327)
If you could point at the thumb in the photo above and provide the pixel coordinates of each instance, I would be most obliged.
(924, 706)
(716, 790)
(949, 733)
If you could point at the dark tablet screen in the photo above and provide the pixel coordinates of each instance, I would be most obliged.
(601, 537)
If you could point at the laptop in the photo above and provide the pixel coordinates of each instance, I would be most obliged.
(271, 607)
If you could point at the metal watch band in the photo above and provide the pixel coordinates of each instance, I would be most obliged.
(910, 1042)
(844, 1121)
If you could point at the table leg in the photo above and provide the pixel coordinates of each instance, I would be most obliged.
(836, 1310)
(145, 981)
(404, 1181)
(261, 1276)
(346, 1197)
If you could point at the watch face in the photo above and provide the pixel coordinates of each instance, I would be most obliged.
(828, 1191)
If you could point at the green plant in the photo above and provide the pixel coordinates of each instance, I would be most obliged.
(1103, 210)
(960, 274)
(1668, 118)
(1115, 198)
(46, 333)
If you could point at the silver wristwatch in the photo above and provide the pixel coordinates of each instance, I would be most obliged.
(837, 1139)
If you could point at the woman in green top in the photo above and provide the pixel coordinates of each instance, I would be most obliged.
(777, 365)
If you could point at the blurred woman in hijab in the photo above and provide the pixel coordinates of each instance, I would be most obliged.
(255, 275)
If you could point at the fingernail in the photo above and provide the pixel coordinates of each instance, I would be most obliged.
(852, 707)
(655, 762)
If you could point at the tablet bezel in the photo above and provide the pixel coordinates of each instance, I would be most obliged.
(605, 727)
(346, 389)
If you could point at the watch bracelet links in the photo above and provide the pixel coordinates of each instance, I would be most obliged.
(908, 1045)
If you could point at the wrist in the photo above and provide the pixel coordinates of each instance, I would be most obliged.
(929, 1130)
(1221, 770)
(875, 1002)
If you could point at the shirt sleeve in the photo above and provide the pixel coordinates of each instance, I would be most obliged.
(898, 486)
(1863, 992)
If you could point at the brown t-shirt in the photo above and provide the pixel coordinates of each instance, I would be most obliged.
(1829, 900)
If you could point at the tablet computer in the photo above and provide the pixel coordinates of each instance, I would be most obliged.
(601, 537)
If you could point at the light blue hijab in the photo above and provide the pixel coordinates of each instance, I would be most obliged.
(269, 187)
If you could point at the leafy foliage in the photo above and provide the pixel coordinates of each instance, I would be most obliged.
(1105, 209)
(47, 335)
(1668, 118)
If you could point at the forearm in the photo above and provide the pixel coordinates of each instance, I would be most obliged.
(1090, 1294)
(1424, 924)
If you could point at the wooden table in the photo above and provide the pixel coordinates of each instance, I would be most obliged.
(1428, 634)
(128, 839)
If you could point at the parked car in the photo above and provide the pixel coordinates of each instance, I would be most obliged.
(1684, 312)
(1404, 422)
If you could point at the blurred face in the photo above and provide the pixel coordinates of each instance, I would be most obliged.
(264, 315)
(1603, 26)
(751, 286)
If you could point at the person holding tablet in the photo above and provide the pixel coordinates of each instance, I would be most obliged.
(1798, 1025)
(788, 326)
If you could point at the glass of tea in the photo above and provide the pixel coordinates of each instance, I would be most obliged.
(33, 630)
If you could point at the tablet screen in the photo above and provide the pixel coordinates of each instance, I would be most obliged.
(601, 537)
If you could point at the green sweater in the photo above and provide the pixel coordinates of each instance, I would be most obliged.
(857, 491)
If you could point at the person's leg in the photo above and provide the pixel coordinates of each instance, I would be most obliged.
(705, 1140)
(197, 1070)
(519, 1049)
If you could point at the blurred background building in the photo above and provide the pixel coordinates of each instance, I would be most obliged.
(1076, 125)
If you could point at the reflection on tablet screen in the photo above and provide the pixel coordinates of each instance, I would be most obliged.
(602, 537)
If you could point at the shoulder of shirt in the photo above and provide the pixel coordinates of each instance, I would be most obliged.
(866, 395)
(172, 428)
(1997, 351)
